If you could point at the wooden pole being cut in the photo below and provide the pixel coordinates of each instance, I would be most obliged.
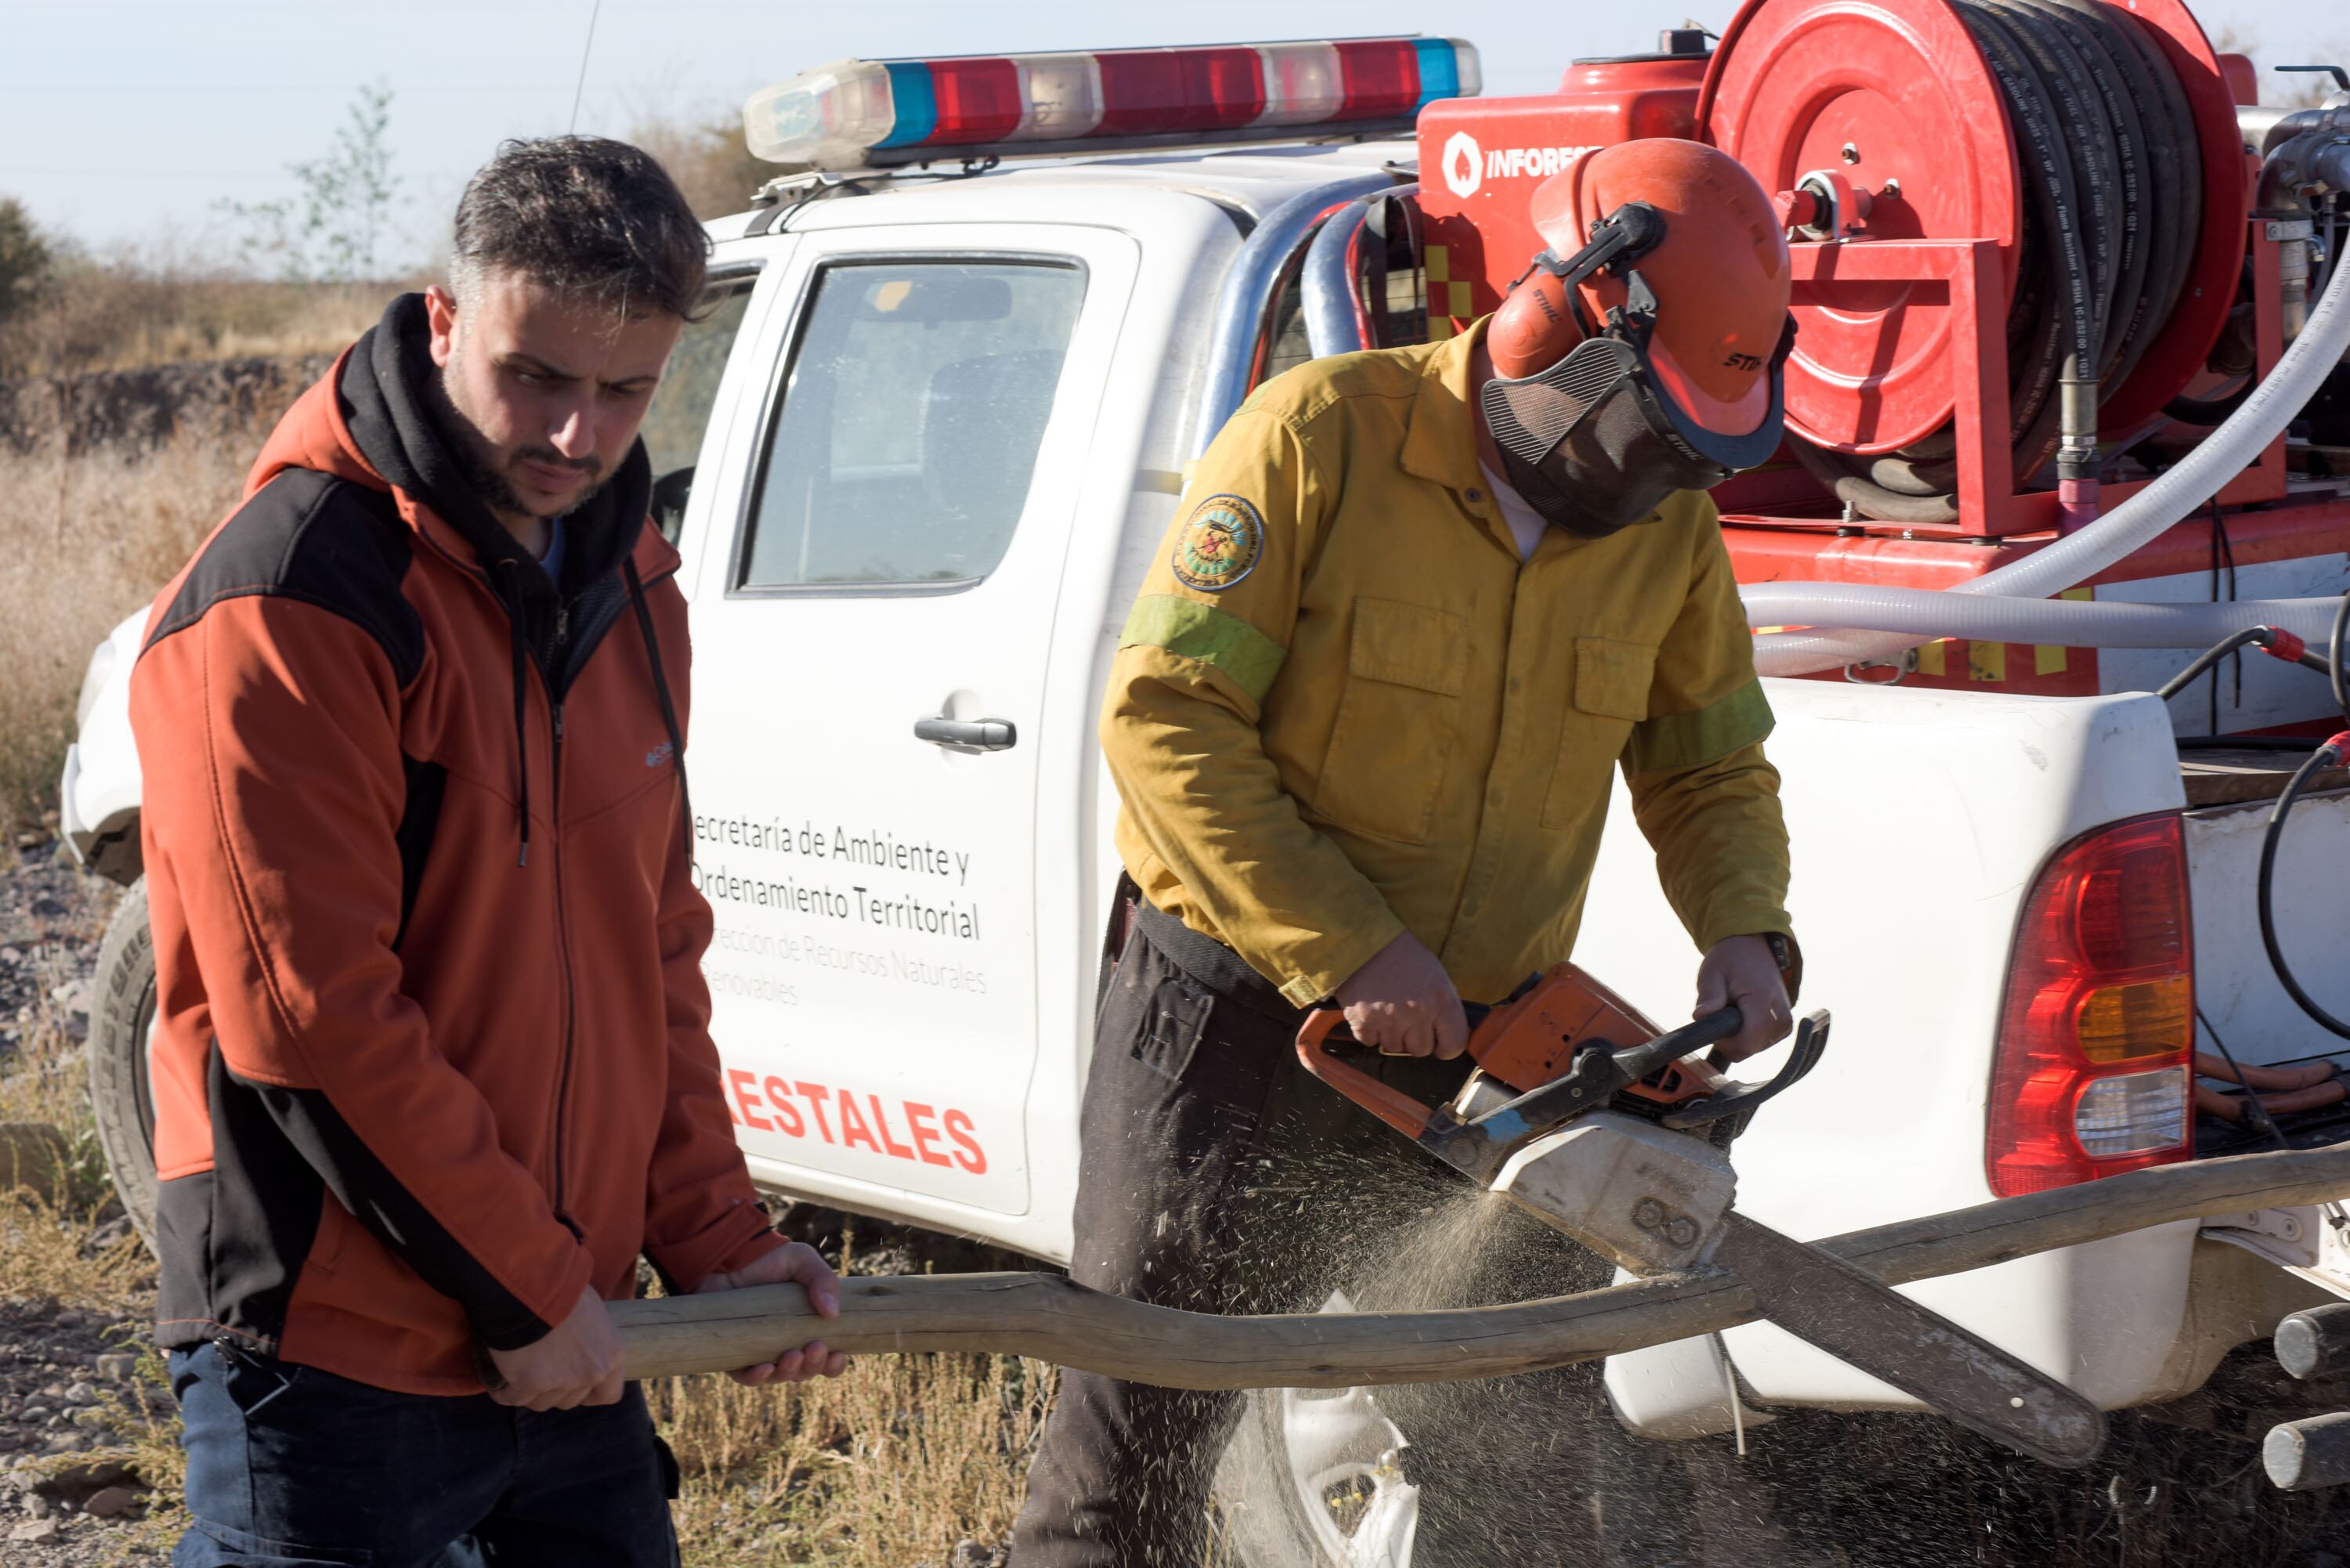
(1048, 1317)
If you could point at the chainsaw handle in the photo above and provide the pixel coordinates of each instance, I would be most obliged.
(1638, 1061)
(1316, 1053)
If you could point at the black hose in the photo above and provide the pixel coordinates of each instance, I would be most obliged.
(2324, 756)
(1869, 499)
(2211, 656)
(2209, 412)
(2254, 1111)
(2105, 143)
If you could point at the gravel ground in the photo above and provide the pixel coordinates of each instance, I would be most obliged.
(64, 1372)
(62, 1376)
(51, 918)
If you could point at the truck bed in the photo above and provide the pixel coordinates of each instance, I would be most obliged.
(2230, 777)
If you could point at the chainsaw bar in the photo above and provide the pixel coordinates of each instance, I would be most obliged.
(1824, 1301)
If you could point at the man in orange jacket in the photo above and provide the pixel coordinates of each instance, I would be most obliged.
(431, 1066)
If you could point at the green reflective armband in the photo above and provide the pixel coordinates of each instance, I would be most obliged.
(1669, 742)
(1191, 629)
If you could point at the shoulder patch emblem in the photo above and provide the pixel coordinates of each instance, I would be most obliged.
(1220, 545)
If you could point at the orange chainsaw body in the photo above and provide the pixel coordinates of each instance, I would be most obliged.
(1524, 1043)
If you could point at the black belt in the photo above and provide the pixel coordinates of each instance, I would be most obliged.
(1210, 962)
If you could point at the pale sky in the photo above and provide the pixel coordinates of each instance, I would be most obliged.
(125, 121)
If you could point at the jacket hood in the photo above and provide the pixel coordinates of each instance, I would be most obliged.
(372, 421)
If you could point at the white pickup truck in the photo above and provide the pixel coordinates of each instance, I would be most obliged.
(916, 459)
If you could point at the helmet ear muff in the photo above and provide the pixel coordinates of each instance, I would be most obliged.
(1534, 329)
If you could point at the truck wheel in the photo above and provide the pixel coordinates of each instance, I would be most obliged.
(121, 1030)
(1317, 1477)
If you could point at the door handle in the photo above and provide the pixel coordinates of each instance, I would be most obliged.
(967, 734)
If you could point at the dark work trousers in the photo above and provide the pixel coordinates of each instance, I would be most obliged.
(290, 1467)
(1216, 1175)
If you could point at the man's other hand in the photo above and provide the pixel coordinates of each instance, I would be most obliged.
(796, 1264)
(578, 1363)
(1740, 971)
(1402, 1002)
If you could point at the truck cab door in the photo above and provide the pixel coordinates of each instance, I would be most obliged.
(871, 650)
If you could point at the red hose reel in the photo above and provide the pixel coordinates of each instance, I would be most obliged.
(1894, 93)
(1903, 299)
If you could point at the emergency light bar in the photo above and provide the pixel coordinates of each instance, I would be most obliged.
(860, 114)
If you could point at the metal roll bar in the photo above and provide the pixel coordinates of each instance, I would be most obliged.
(1271, 256)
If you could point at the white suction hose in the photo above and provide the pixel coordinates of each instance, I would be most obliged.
(1886, 621)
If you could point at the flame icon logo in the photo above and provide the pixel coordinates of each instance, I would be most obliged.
(1464, 164)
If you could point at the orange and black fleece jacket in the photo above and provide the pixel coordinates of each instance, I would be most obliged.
(432, 1048)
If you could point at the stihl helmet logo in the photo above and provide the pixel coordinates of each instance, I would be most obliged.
(1745, 361)
(1464, 165)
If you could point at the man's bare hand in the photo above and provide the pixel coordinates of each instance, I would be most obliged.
(577, 1364)
(1740, 971)
(797, 1264)
(1403, 1003)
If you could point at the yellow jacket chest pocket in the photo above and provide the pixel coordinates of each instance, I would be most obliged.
(1398, 721)
(1611, 694)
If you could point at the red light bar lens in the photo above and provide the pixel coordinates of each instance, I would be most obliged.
(978, 100)
(1145, 91)
(1381, 78)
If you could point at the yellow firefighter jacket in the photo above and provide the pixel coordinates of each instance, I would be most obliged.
(1342, 709)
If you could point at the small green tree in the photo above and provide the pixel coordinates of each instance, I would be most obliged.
(24, 258)
(334, 231)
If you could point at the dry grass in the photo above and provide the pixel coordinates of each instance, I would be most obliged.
(126, 314)
(887, 1467)
(83, 543)
(59, 1187)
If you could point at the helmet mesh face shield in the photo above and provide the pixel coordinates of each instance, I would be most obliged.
(1593, 444)
(1528, 417)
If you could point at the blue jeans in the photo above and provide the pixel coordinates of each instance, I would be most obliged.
(289, 1467)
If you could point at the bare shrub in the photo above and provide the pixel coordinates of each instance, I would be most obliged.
(707, 156)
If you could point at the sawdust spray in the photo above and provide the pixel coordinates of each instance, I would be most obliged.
(1529, 1471)
(1536, 1471)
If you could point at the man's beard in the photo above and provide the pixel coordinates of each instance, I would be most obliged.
(477, 464)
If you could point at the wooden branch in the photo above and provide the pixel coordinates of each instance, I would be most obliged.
(1048, 1317)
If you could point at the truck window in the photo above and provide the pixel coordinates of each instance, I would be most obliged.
(916, 398)
(680, 407)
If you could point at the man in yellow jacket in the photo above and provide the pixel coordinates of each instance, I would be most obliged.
(1416, 608)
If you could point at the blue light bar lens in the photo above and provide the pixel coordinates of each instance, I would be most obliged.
(1440, 71)
(914, 103)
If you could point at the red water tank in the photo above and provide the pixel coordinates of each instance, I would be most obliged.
(1481, 159)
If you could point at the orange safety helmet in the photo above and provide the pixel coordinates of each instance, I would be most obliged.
(1719, 274)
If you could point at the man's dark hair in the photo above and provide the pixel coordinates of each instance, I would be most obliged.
(583, 216)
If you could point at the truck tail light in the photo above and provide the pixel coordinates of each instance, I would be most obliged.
(859, 113)
(2092, 1076)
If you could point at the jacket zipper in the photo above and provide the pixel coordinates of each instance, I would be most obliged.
(562, 915)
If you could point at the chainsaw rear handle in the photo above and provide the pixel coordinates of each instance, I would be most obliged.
(1315, 1050)
(1743, 1099)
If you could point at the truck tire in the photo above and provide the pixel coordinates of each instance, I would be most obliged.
(121, 1023)
(1308, 1481)
(1316, 1478)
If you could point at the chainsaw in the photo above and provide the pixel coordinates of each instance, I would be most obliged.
(1587, 1117)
